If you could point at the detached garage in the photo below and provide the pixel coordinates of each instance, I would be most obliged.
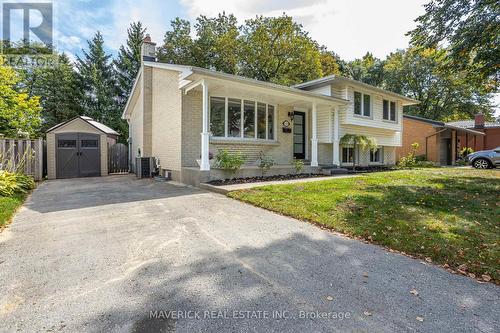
(78, 148)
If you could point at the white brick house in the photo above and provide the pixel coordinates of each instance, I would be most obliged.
(183, 114)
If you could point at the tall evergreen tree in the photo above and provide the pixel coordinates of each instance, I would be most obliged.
(58, 90)
(96, 79)
(128, 61)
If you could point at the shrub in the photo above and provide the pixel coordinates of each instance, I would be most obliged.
(266, 162)
(409, 161)
(466, 151)
(229, 161)
(14, 183)
(298, 165)
(420, 158)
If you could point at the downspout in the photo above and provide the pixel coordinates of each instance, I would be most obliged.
(426, 139)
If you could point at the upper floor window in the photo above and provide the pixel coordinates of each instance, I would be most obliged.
(389, 110)
(362, 104)
(238, 118)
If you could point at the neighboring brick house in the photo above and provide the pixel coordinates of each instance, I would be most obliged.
(439, 142)
(181, 115)
(491, 130)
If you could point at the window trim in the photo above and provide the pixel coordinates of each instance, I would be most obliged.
(242, 137)
(389, 101)
(362, 114)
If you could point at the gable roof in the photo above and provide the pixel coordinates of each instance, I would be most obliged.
(340, 79)
(471, 124)
(186, 71)
(101, 127)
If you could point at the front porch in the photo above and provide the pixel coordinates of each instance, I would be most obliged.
(256, 121)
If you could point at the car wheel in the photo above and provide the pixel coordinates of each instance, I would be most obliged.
(481, 163)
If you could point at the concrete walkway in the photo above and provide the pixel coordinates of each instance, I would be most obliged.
(117, 254)
(235, 187)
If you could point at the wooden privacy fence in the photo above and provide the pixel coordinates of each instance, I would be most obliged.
(117, 158)
(23, 156)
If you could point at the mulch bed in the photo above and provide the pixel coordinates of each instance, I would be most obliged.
(232, 181)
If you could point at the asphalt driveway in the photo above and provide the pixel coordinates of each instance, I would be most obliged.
(127, 255)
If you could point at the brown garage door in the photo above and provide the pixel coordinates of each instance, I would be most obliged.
(78, 155)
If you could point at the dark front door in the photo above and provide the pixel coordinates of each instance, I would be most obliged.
(299, 135)
(78, 155)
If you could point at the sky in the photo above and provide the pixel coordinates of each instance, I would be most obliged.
(348, 27)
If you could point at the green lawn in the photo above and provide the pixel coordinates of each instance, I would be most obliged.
(8, 206)
(449, 215)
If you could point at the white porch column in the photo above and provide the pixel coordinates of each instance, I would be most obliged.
(314, 138)
(336, 148)
(205, 134)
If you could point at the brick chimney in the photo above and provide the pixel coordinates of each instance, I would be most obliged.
(148, 49)
(479, 121)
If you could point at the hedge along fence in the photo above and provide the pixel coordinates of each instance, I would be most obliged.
(22, 156)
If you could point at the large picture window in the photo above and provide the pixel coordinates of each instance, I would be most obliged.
(234, 117)
(249, 119)
(261, 120)
(217, 116)
(237, 118)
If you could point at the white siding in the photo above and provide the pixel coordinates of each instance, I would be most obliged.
(383, 137)
(324, 121)
(376, 118)
(337, 92)
(324, 90)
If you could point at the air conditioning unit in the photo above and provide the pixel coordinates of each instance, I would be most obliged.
(145, 167)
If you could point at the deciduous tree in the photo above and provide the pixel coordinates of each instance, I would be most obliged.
(20, 114)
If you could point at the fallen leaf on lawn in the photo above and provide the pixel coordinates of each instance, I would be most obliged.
(463, 267)
(486, 277)
(428, 259)
(330, 298)
(414, 292)
(419, 319)
(367, 313)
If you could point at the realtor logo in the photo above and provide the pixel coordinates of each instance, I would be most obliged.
(28, 11)
(27, 33)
